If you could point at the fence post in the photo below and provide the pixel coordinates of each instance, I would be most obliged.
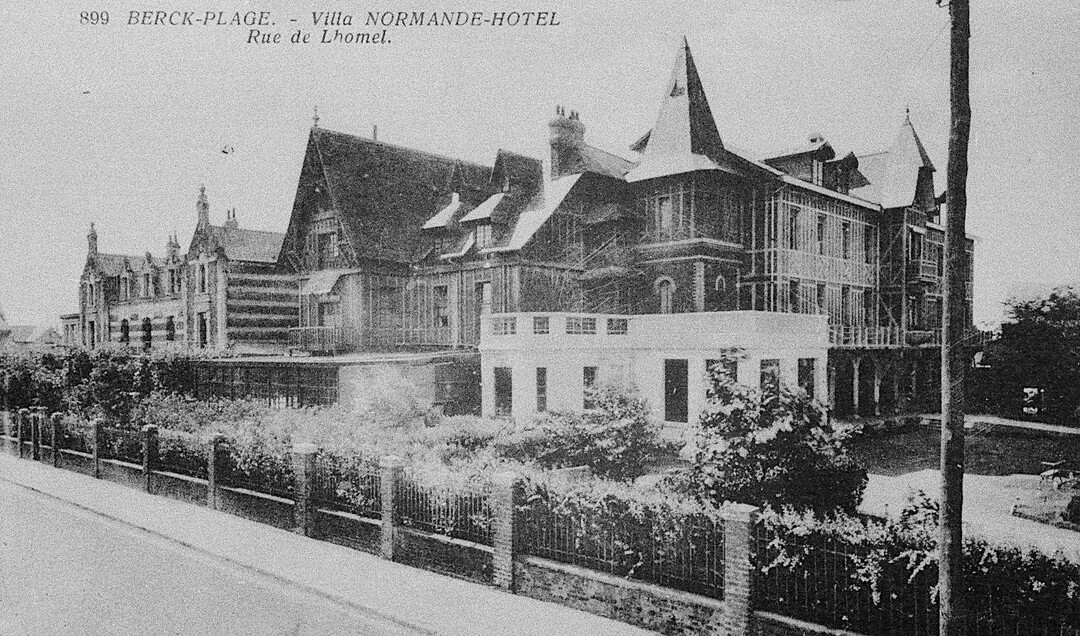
(739, 522)
(213, 469)
(24, 415)
(504, 502)
(57, 431)
(391, 471)
(303, 456)
(149, 453)
(37, 421)
(95, 428)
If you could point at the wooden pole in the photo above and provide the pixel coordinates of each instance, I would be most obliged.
(953, 362)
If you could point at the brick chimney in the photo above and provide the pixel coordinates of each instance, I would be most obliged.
(567, 136)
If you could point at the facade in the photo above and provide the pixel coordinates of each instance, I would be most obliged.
(399, 248)
(823, 270)
(227, 292)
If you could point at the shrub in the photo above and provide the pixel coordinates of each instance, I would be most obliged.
(770, 447)
(616, 439)
(873, 576)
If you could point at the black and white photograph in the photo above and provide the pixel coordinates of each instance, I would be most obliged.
(742, 317)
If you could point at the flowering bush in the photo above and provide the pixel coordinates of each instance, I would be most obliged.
(769, 447)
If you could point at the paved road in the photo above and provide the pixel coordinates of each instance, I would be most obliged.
(64, 570)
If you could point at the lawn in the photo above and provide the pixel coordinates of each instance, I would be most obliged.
(993, 451)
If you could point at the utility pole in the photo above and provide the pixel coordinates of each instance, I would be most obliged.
(953, 359)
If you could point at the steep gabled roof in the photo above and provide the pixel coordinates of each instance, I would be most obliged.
(385, 193)
(685, 137)
(894, 173)
(112, 264)
(603, 162)
(241, 244)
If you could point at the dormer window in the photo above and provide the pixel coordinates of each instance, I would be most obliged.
(328, 249)
(125, 287)
(483, 235)
(817, 170)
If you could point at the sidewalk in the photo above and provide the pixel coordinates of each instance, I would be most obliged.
(408, 596)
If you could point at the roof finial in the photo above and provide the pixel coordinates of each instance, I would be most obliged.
(315, 118)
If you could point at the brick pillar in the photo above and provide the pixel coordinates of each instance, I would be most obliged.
(739, 521)
(391, 472)
(213, 469)
(303, 457)
(37, 422)
(95, 432)
(24, 416)
(504, 513)
(57, 433)
(150, 453)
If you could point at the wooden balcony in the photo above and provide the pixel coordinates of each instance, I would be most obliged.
(332, 340)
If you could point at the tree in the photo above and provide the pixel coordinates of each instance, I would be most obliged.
(771, 447)
(1040, 348)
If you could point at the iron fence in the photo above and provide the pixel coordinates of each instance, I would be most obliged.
(687, 554)
(121, 443)
(182, 453)
(823, 580)
(268, 471)
(461, 513)
(350, 484)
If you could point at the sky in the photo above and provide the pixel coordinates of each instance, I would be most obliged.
(120, 124)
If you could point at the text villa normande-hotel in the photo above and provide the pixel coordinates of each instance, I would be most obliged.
(547, 275)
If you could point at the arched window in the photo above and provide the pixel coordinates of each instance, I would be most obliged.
(125, 331)
(665, 291)
(147, 333)
(170, 329)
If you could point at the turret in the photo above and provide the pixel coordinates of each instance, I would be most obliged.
(230, 220)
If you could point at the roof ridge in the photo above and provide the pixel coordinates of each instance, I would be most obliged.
(377, 142)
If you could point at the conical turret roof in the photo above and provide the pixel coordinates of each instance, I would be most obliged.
(685, 137)
(894, 173)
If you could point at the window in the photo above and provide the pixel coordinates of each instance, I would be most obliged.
(541, 389)
(483, 235)
(806, 376)
(665, 290)
(174, 281)
(588, 381)
(329, 314)
(146, 285)
(125, 287)
(541, 325)
(817, 171)
(504, 390)
(503, 326)
(845, 239)
(578, 325)
(203, 330)
(170, 328)
(441, 302)
(328, 249)
(770, 373)
(821, 234)
(618, 326)
(845, 305)
(665, 215)
(793, 230)
(821, 299)
(125, 331)
(676, 393)
(868, 243)
(147, 333)
(793, 296)
(727, 367)
(202, 278)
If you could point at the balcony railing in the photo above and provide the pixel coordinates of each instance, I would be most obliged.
(846, 336)
(324, 339)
